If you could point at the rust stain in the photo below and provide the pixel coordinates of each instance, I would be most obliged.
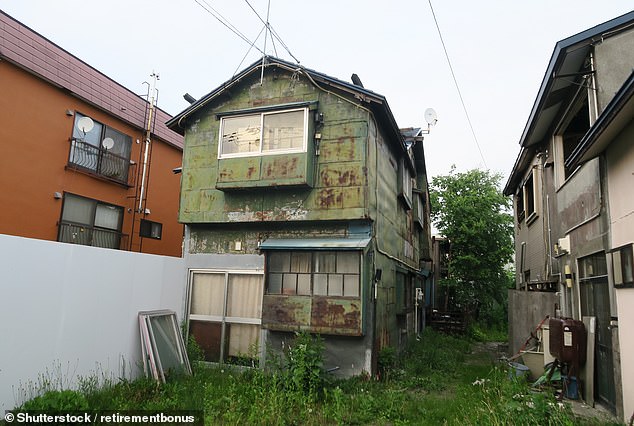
(326, 197)
(250, 172)
(336, 317)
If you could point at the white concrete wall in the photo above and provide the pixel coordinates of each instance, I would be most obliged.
(69, 310)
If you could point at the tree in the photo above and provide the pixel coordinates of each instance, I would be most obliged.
(471, 211)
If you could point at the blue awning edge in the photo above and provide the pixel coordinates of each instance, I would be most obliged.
(314, 243)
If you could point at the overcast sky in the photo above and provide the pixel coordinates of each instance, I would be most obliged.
(499, 51)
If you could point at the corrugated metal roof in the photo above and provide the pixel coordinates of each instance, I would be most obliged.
(314, 244)
(34, 53)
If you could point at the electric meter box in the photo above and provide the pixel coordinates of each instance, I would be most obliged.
(568, 340)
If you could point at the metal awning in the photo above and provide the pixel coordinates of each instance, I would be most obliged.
(314, 243)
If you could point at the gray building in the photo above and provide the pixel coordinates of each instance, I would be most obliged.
(565, 240)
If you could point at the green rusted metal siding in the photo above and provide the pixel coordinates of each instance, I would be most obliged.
(324, 315)
(337, 173)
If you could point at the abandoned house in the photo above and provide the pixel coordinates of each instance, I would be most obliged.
(574, 215)
(86, 178)
(305, 209)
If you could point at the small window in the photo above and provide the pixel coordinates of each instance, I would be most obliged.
(151, 229)
(519, 205)
(405, 183)
(319, 273)
(529, 196)
(420, 208)
(263, 133)
(622, 266)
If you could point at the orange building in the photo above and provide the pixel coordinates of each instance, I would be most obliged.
(73, 153)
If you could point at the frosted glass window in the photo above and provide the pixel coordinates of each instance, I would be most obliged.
(244, 299)
(208, 293)
(243, 340)
(280, 262)
(319, 273)
(275, 283)
(335, 285)
(321, 284)
(351, 285)
(289, 284)
(348, 262)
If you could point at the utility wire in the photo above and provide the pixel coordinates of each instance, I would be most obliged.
(272, 31)
(464, 107)
(224, 21)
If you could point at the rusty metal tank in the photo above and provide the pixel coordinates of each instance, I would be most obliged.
(568, 340)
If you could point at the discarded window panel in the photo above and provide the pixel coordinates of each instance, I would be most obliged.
(162, 345)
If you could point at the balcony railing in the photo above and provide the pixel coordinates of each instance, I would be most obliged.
(91, 236)
(99, 161)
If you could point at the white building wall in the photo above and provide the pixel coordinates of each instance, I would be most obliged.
(68, 311)
(620, 166)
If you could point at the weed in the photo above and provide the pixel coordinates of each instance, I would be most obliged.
(57, 401)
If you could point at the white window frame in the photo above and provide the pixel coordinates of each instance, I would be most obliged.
(222, 319)
(259, 153)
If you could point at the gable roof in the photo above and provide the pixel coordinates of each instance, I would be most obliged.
(567, 59)
(29, 50)
(371, 100)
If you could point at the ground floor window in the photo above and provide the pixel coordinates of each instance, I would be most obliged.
(90, 222)
(314, 273)
(225, 314)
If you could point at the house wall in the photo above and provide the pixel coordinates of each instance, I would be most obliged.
(620, 163)
(355, 188)
(613, 57)
(35, 130)
(70, 311)
(526, 310)
(338, 189)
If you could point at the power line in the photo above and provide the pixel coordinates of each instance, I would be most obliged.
(464, 107)
(224, 21)
(274, 33)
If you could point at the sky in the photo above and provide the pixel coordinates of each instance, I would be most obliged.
(499, 51)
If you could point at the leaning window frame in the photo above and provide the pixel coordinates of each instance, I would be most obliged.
(260, 153)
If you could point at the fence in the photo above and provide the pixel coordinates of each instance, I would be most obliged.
(69, 310)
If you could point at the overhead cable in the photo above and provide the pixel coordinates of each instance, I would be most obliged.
(224, 21)
(274, 33)
(464, 107)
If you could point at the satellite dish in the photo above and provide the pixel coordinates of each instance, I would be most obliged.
(85, 124)
(107, 143)
(430, 116)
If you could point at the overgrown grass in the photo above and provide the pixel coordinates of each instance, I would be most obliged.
(437, 380)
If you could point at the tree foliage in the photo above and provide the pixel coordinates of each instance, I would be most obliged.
(471, 211)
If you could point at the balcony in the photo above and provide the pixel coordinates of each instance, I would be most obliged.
(99, 161)
(91, 236)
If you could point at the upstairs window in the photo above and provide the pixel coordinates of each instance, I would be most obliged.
(405, 183)
(263, 133)
(100, 149)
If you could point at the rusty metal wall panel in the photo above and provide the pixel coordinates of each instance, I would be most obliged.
(322, 315)
(338, 174)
